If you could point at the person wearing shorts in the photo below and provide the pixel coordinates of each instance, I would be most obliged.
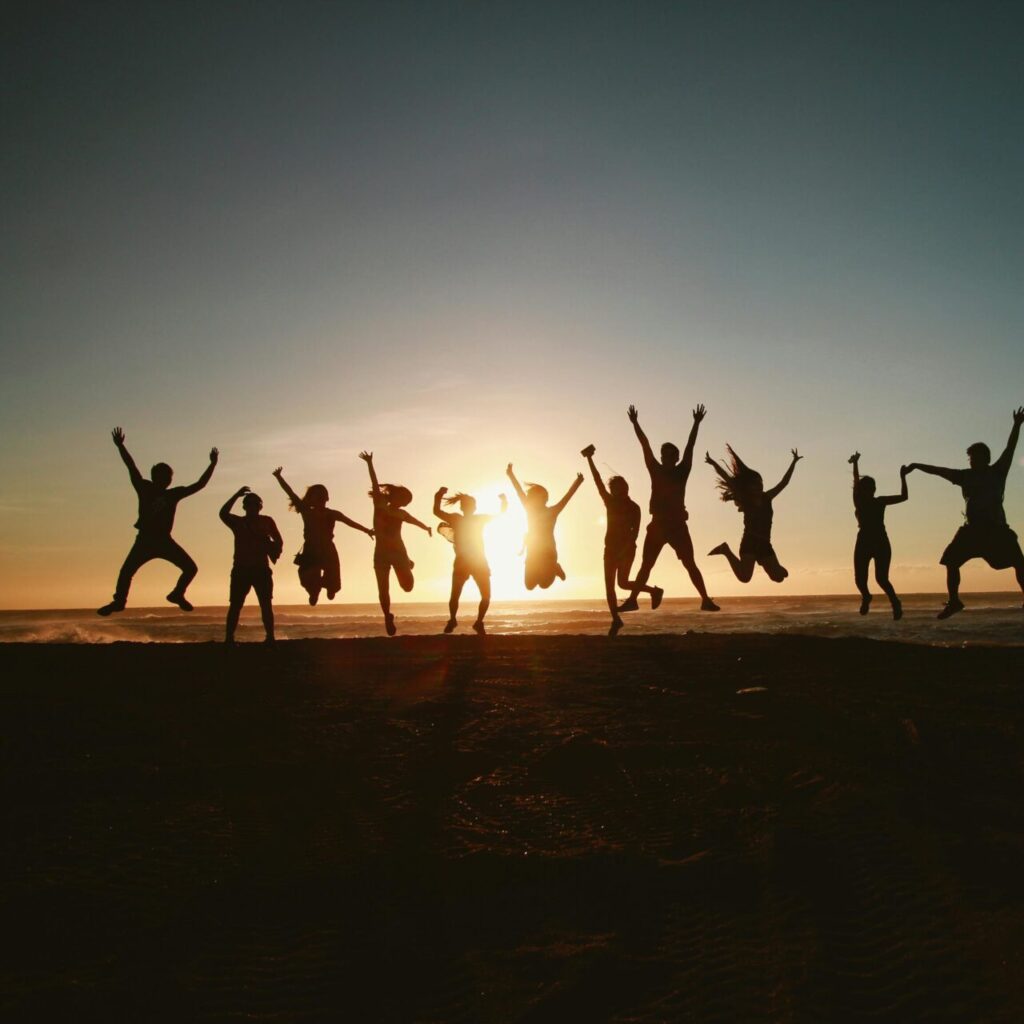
(257, 543)
(389, 554)
(986, 533)
(466, 533)
(668, 523)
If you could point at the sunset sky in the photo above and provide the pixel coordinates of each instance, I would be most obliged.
(463, 234)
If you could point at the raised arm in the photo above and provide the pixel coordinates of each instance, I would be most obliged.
(634, 418)
(225, 509)
(292, 496)
(573, 488)
(205, 478)
(716, 467)
(786, 477)
(367, 457)
(133, 471)
(515, 483)
(588, 454)
(413, 521)
(445, 517)
(1005, 460)
(952, 475)
(854, 460)
(686, 464)
(896, 499)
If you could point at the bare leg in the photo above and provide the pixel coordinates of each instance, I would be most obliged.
(743, 568)
(954, 604)
(264, 594)
(383, 574)
(861, 561)
(484, 583)
(234, 609)
(610, 595)
(882, 561)
(1019, 570)
(458, 582)
(653, 543)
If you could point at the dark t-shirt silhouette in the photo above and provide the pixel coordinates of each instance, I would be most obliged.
(623, 522)
(983, 488)
(157, 506)
(257, 540)
(668, 490)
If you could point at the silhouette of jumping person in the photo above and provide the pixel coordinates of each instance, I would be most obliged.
(668, 511)
(745, 487)
(872, 540)
(158, 502)
(542, 568)
(389, 501)
(257, 543)
(319, 568)
(622, 516)
(986, 534)
(466, 533)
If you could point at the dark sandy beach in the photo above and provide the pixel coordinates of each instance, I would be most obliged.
(519, 829)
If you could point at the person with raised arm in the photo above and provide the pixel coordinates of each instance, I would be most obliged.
(465, 530)
(158, 502)
(257, 543)
(985, 534)
(872, 539)
(319, 568)
(542, 568)
(668, 523)
(622, 519)
(389, 501)
(745, 488)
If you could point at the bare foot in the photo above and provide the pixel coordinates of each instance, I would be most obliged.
(109, 609)
(707, 605)
(450, 625)
(614, 628)
(629, 605)
(897, 609)
(952, 607)
(180, 600)
(389, 625)
(865, 604)
(720, 550)
(478, 628)
(656, 595)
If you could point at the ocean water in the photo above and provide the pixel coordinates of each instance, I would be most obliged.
(989, 619)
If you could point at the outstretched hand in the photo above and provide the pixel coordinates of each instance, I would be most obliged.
(796, 455)
(579, 478)
(508, 470)
(277, 472)
(118, 435)
(244, 489)
(904, 470)
(632, 414)
(1018, 416)
(854, 458)
(699, 413)
(214, 456)
(588, 452)
(440, 492)
(707, 458)
(366, 456)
